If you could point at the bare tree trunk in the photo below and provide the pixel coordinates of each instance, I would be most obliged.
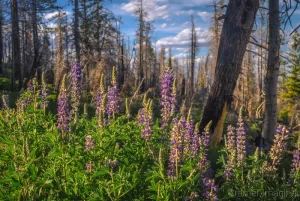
(35, 63)
(237, 27)
(76, 30)
(270, 120)
(15, 44)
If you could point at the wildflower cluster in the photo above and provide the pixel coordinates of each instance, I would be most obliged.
(168, 95)
(277, 150)
(44, 93)
(5, 102)
(176, 148)
(63, 110)
(145, 118)
(231, 151)
(241, 142)
(76, 88)
(89, 143)
(113, 102)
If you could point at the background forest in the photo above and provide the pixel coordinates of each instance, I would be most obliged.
(90, 113)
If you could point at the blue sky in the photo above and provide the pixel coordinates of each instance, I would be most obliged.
(171, 21)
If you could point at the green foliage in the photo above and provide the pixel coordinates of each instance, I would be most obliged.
(35, 164)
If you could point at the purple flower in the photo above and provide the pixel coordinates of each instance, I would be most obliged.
(44, 93)
(176, 148)
(113, 102)
(76, 87)
(231, 152)
(5, 102)
(189, 132)
(63, 111)
(295, 166)
(241, 142)
(100, 102)
(210, 189)
(89, 143)
(168, 95)
(277, 150)
(195, 146)
(204, 146)
(112, 163)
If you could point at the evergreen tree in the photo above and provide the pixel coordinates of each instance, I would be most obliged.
(292, 93)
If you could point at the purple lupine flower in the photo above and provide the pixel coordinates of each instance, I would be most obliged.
(113, 102)
(63, 111)
(89, 143)
(231, 151)
(30, 87)
(228, 174)
(147, 121)
(195, 146)
(76, 88)
(241, 142)
(176, 148)
(277, 150)
(189, 131)
(295, 161)
(5, 102)
(100, 104)
(168, 97)
(112, 163)
(44, 93)
(210, 189)
(204, 146)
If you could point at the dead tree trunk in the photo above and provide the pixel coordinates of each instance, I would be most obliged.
(15, 44)
(270, 120)
(36, 56)
(237, 27)
(76, 30)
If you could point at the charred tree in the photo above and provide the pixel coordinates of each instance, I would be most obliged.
(15, 37)
(270, 120)
(237, 27)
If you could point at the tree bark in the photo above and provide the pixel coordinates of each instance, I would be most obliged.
(36, 56)
(270, 120)
(15, 44)
(76, 30)
(237, 27)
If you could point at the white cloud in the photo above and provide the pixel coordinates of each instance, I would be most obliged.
(182, 39)
(164, 25)
(205, 16)
(49, 16)
(154, 8)
(185, 12)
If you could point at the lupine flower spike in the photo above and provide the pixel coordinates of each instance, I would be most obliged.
(113, 102)
(188, 132)
(231, 152)
(63, 112)
(241, 141)
(277, 150)
(89, 143)
(44, 93)
(99, 97)
(195, 146)
(167, 94)
(176, 148)
(5, 102)
(76, 89)
(127, 109)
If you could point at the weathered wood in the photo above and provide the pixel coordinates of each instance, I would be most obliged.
(237, 27)
(270, 117)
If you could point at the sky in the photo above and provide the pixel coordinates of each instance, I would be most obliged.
(171, 21)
